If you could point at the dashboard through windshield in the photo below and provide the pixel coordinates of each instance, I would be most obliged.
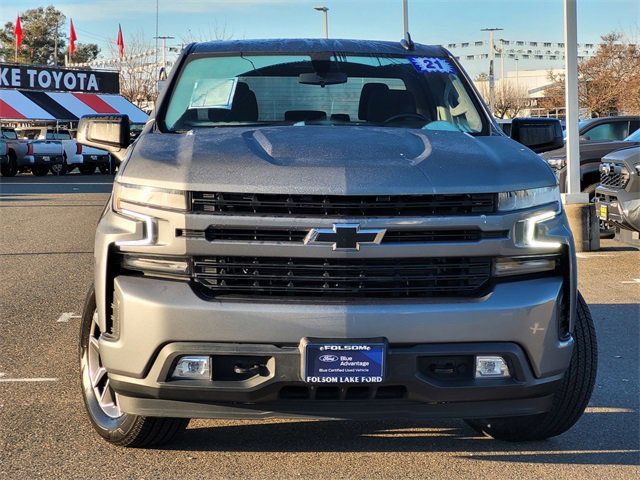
(317, 89)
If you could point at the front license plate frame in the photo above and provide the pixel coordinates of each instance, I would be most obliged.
(345, 361)
(604, 212)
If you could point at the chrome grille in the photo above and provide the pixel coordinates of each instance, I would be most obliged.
(613, 176)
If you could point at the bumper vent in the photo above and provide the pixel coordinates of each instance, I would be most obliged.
(341, 278)
(342, 206)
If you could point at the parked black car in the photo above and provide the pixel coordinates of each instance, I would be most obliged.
(598, 137)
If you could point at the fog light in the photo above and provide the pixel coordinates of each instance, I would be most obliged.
(193, 367)
(491, 367)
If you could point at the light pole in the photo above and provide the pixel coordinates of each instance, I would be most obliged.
(164, 39)
(325, 11)
(492, 56)
(571, 102)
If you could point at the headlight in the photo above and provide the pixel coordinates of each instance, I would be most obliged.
(125, 193)
(533, 197)
(557, 163)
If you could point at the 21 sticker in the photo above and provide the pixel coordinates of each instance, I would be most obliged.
(431, 65)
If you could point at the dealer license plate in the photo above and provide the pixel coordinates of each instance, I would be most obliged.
(603, 212)
(94, 157)
(46, 158)
(335, 363)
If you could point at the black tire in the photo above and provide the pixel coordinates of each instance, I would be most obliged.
(39, 170)
(104, 169)
(59, 169)
(124, 429)
(570, 400)
(11, 168)
(87, 169)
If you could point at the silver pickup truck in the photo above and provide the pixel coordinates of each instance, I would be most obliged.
(17, 151)
(334, 229)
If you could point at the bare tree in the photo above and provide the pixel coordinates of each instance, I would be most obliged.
(215, 31)
(510, 99)
(138, 82)
(608, 82)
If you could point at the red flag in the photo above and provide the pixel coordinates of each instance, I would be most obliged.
(17, 30)
(120, 42)
(72, 39)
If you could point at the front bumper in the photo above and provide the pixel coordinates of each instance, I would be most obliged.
(159, 320)
(618, 207)
(409, 387)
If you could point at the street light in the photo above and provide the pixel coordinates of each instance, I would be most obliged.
(492, 98)
(325, 11)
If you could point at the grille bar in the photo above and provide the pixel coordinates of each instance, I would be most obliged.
(342, 205)
(616, 180)
(214, 234)
(342, 278)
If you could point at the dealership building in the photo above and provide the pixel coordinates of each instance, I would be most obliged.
(51, 95)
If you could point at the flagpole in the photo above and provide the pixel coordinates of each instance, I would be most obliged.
(16, 42)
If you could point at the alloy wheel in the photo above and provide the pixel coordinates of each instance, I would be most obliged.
(98, 377)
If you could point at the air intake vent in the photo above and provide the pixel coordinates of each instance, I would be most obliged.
(341, 278)
(352, 206)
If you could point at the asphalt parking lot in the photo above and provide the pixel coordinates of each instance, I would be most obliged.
(46, 247)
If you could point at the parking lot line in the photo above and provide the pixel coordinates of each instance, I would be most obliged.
(66, 316)
(37, 379)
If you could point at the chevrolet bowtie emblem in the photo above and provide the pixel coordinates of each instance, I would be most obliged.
(344, 236)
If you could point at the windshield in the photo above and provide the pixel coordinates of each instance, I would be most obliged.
(9, 135)
(634, 137)
(417, 92)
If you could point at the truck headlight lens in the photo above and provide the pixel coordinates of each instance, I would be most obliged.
(125, 193)
(533, 197)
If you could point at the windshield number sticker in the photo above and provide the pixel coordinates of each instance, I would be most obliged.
(431, 65)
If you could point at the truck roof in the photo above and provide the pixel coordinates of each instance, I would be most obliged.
(310, 45)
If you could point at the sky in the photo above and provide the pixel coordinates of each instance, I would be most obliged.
(431, 21)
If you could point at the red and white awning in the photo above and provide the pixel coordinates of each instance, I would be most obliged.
(63, 106)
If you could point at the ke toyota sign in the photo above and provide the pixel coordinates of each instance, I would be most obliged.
(27, 77)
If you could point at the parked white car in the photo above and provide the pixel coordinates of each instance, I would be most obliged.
(51, 150)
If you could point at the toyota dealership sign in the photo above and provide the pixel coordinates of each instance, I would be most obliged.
(28, 77)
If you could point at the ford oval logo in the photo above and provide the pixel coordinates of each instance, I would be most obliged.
(328, 358)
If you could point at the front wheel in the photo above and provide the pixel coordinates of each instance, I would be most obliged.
(59, 169)
(101, 401)
(570, 400)
(11, 168)
(39, 170)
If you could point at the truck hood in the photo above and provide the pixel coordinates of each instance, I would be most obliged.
(333, 160)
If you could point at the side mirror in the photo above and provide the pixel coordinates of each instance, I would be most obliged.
(109, 132)
(539, 134)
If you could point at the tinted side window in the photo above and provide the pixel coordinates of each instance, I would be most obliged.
(607, 131)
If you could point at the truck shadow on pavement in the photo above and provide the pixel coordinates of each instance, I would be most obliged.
(607, 434)
(583, 445)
